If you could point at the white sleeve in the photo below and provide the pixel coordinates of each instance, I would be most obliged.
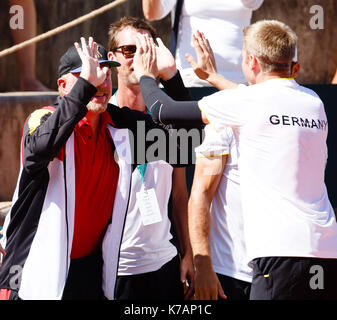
(167, 6)
(215, 144)
(252, 4)
(227, 107)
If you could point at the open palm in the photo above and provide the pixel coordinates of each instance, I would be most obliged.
(91, 69)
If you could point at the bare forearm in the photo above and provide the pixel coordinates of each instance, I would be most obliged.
(199, 226)
(152, 9)
(220, 82)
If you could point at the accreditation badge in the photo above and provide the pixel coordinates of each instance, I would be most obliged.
(148, 206)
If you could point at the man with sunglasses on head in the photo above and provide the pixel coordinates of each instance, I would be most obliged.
(149, 265)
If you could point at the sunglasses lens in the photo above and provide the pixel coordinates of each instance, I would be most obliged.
(129, 51)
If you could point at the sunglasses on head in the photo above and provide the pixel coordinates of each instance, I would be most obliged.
(128, 51)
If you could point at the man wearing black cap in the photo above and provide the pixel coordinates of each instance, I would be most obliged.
(77, 159)
(66, 187)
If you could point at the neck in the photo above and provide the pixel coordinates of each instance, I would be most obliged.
(130, 96)
(262, 77)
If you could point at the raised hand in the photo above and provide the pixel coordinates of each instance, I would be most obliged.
(91, 69)
(205, 67)
(165, 61)
(145, 59)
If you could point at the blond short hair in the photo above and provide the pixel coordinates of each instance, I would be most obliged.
(272, 42)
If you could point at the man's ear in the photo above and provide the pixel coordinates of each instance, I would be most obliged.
(295, 69)
(253, 62)
(61, 83)
(111, 56)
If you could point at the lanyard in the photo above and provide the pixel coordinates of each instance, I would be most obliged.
(142, 167)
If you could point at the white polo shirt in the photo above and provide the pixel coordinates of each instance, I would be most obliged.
(226, 239)
(280, 129)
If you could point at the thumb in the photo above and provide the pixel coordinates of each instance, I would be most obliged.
(105, 70)
(183, 278)
(221, 293)
(191, 60)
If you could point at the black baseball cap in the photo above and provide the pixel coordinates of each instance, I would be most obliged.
(71, 61)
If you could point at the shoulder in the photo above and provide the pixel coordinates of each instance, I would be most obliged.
(38, 116)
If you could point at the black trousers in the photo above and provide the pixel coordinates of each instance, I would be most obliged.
(294, 278)
(163, 284)
(234, 289)
(84, 281)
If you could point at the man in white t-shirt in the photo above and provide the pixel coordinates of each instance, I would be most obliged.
(216, 222)
(280, 129)
(149, 264)
(229, 16)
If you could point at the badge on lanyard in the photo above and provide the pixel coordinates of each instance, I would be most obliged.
(147, 201)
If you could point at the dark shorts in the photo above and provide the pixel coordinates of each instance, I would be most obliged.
(84, 281)
(234, 289)
(163, 284)
(294, 278)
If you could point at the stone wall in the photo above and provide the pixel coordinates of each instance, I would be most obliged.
(317, 48)
(14, 109)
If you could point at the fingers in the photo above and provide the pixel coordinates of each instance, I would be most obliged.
(191, 60)
(84, 46)
(146, 46)
(153, 48)
(79, 50)
(221, 293)
(89, 50)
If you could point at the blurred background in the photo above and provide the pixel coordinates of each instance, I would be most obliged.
(317, 50)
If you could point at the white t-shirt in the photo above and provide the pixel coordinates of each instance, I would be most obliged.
(227, 244)
(147, 248)
(222, 22)
(280, 129)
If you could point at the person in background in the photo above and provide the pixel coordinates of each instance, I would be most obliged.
(26, 57)
(221, 21)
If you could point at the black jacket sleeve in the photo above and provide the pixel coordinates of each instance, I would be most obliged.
(45, 132)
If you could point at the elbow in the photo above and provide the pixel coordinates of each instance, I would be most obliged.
(152, 13)
(150, 16)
